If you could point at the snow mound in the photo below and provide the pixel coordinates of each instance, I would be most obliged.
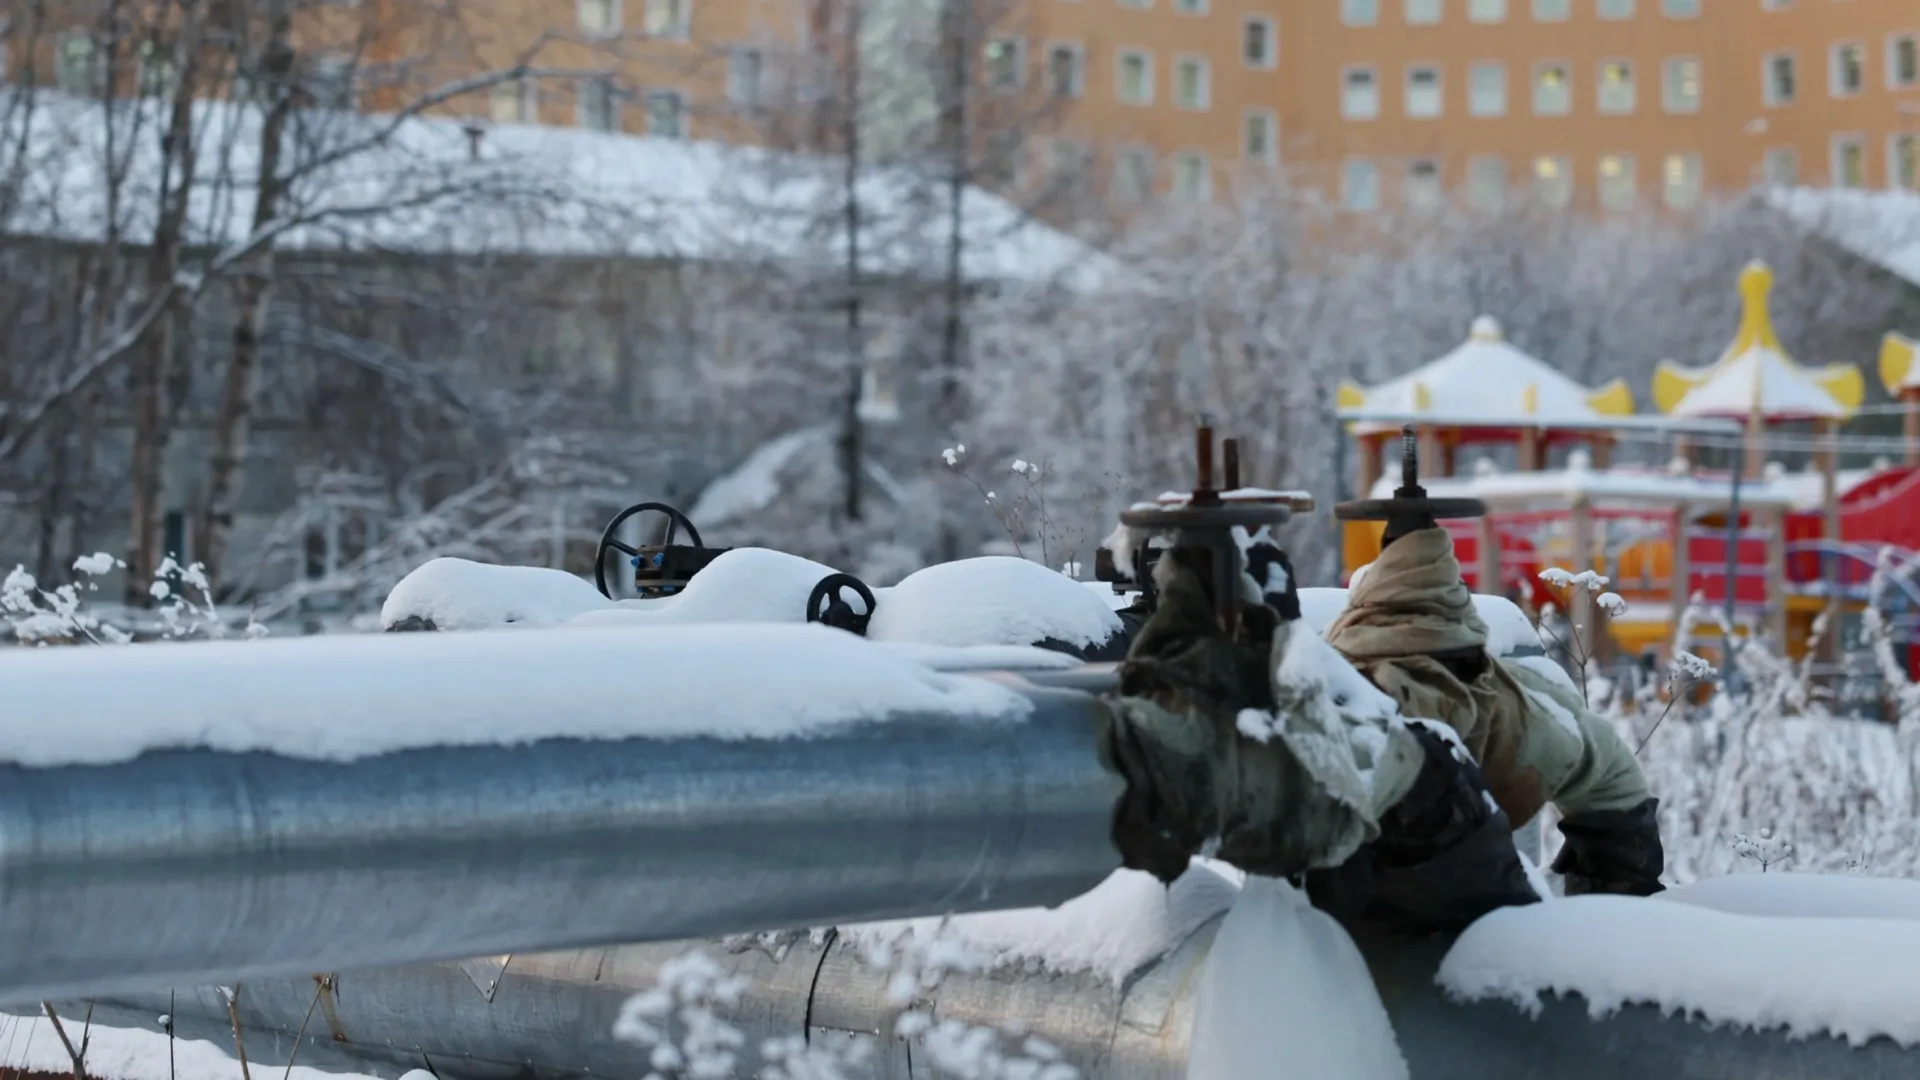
(1119, 926)
(1284, 983)
(992, 600)
(742, 585)
(460, 594)
(352, 696)
(980, 657)
(1845, 977)
(30, 1044)
(1817, 896)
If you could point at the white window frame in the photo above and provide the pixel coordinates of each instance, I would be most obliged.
(1347, 187)
(1897, 144)
(522, 94)
(1360, 12)
(1120, 57)
(616, 17)
(1566, 84)
(1477, 106)
(1835, 69)
(1133, 164)
(77, 48)
(1562, 196)
(1552, 11)
(677, 16)
(1179, 162)
(1424, 12)
(1190, 7)
(1479, 195)
(1486, 12)
(1694, 167)
(1769, 86)
(1078, 76)
(736, 92)
(1912, 38)
(1425, 109)
(1671, 81)
(1272, 28)
(1770, 166)
(1692, 10)
(1614, 10)
(1621, 105)
(1373, 76)
(1270, 121)
(1836, 151)
(1197, 62)
(682, 115)
(1438, 191)
(615, 102)
(1630, 170)
(1019, 70)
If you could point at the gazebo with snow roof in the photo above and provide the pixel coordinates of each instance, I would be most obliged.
(1484, 391)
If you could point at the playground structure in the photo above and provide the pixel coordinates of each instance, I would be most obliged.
(1825, 541)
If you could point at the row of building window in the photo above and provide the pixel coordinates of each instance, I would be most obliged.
(1846, 69)
(1616, 92)
(658, 18)
(1848, 165)
(599, 105)
(1064, 71)
(1432, 12)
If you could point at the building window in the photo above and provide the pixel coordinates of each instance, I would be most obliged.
(514, 102)
(1487, 90)
(668, 18)
(1260, 136)
(744, 71)
(1486, 11)
(1903, 61)
(1133, 174)
(599, 105)
(1552, 92)
(1783, 82)
(1360, 186)
(1903, 162)
(1192, 83)
(1847, 65)
(1680, 181)
(1616, 88)
(1680, 84)
(1192, 179)
(1257, 46)
(1614, 9)
(1190, 7)
(158, 76)
(1068, 163)
(1552, 10)
(1553, 182)
(598, 17)
(1782, 168)
(1138, 5)
(1359, 94)
(1423, 190)
(78, 68)
(1423, 12)
(330, 82)
(1066, 71)
(1423, 93)
(1680, 9)
(667, 114)
(1360, 12)
(1005, 66)
(1135, 74)
(1849, 162)
(1487, 183)
(1616, 183)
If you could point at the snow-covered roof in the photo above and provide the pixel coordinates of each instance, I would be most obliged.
(1882, 227)
(1755, 375)
(1495, 384)
(1601, 486)
(374, 182)
(1897, 368)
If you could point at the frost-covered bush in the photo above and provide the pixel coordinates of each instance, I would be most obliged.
(61, 615)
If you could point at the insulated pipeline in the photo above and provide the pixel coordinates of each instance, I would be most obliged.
(182, 867)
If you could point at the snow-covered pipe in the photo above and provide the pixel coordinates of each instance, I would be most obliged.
(171, 815)
(552, 1015)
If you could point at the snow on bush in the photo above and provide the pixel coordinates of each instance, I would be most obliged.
(39, 615)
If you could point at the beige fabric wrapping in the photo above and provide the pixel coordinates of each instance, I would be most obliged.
(1535, 743)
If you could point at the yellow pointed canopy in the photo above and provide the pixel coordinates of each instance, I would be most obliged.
(1486, 382)
(1755, 375)
(1898, 372)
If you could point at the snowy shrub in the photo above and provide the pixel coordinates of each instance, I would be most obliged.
(38, 615)
(681, 1023)
(1024, 515)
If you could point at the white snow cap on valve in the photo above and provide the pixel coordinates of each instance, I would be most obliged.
(1487, 328)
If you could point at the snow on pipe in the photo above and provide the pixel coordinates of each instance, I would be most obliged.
(551, 1015)
(141, 866)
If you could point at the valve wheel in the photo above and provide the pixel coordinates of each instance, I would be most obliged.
(836, 612)
(610, 539)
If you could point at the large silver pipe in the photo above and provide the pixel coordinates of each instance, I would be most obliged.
(195, 866)
(550, 1017)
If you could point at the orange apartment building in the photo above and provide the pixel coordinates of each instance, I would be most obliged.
(1598, 104)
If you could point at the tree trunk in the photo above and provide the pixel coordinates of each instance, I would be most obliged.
(253, 295)
(852, 437)
(951, 407)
